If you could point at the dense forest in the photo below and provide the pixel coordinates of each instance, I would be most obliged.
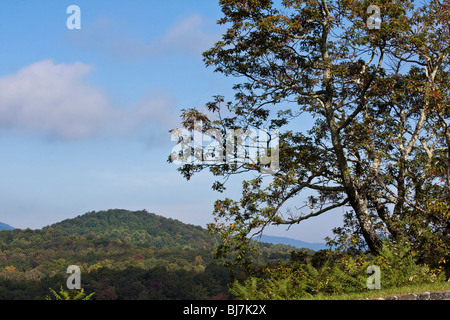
(122, 255)
(126, 255)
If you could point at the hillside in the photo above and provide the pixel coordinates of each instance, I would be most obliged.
(138, 227)
(122, 255)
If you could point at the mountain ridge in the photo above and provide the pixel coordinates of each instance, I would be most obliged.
(143, 224)
(122, 255)
(299, 244)
(123, 225)
(4, 226)
(141, 227)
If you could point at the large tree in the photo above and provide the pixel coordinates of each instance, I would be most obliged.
(373, 78)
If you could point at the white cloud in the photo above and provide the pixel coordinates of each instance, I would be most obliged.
(51, 99)
(54, 100)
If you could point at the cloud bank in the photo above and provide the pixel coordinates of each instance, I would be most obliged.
(55, 100)
(52, 99)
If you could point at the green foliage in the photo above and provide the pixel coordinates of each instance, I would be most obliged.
(298, 282)
(399, 266)
(377, 102)
(330, 273)
(33, 260)
(123, 255)
(268, 289)
(69, 295)
(137, 227)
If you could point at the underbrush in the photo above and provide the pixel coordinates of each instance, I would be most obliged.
(339, 275)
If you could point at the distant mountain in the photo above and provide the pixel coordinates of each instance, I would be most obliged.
(293, 242)
(4, 226)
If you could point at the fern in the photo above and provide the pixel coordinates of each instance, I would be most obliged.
(69, 295)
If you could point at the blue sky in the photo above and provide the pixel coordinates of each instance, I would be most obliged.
(85, 114)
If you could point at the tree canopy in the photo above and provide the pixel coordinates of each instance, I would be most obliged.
(377, 143)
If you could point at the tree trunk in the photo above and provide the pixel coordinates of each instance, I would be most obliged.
(359, 204)
(357, 199)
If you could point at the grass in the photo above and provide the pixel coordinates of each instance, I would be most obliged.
(384, 293)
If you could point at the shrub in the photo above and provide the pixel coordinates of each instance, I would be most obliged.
(342, 273)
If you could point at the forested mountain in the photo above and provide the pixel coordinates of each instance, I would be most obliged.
(122, 255)
(4, 226)
(138, 227)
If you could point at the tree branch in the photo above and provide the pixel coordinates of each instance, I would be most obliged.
(312, 214)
